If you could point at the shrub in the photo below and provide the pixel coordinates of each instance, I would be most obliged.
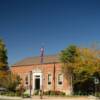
(10, 82)
(98, 94)
(26, 94)
(9, 93)
(59, 93)
(36, 92)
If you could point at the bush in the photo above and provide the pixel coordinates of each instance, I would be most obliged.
(52, 93)
(10, 82)
(26, 94)
(98, 94)
(9, 93)
(36, 92)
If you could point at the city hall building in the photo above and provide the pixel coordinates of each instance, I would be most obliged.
(47, 75)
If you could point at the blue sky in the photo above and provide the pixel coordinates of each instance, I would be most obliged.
(27, 24)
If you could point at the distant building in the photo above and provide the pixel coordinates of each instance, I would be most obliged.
(46, 76)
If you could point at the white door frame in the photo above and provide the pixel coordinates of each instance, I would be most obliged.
(36, 73)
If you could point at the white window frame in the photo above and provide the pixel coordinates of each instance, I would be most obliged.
(50, 78)
(58, 79)
(26, 79)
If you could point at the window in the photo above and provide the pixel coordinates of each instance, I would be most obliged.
(37, 76)
(60, 79)
(26, 79)
(49, 79)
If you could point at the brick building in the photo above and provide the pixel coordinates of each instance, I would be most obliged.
(46, 76)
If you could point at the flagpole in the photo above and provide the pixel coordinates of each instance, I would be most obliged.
(42, 55)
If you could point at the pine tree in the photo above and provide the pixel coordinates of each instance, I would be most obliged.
(3, 59)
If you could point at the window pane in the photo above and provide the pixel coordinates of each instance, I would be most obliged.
(60, 79)
(49, 79)
(26, 79)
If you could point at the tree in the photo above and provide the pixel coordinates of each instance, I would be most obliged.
(89, 63)
(80, 65)
(3, 59)
(3, 56)
(10, 82)
(69, 57)
(7, 79)
(87, 68)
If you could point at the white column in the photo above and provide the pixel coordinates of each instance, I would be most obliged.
(41, 83)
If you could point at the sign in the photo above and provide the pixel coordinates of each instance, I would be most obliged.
(96, 80)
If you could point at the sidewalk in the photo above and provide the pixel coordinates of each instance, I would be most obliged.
(60, 98)
(48, 98)
(9, 98)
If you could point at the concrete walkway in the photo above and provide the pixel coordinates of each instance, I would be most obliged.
(9, 98)
(56, 98)
(63, 98)
(48, 98)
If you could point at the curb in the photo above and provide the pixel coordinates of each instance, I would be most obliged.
(10, 98)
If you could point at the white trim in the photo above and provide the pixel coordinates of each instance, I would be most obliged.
(36, 72)
(50, 79)
(62, 79)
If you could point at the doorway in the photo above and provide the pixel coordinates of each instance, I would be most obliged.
(37, 82)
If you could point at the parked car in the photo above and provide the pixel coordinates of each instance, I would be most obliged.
(2, 90)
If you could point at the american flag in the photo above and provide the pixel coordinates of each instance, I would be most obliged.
(42, 54)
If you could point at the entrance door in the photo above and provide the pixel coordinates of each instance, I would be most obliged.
(37, 83)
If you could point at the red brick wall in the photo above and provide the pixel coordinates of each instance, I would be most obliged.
(47, 68)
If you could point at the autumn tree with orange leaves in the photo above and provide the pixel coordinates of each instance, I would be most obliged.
(80, 66)
(7, 79)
